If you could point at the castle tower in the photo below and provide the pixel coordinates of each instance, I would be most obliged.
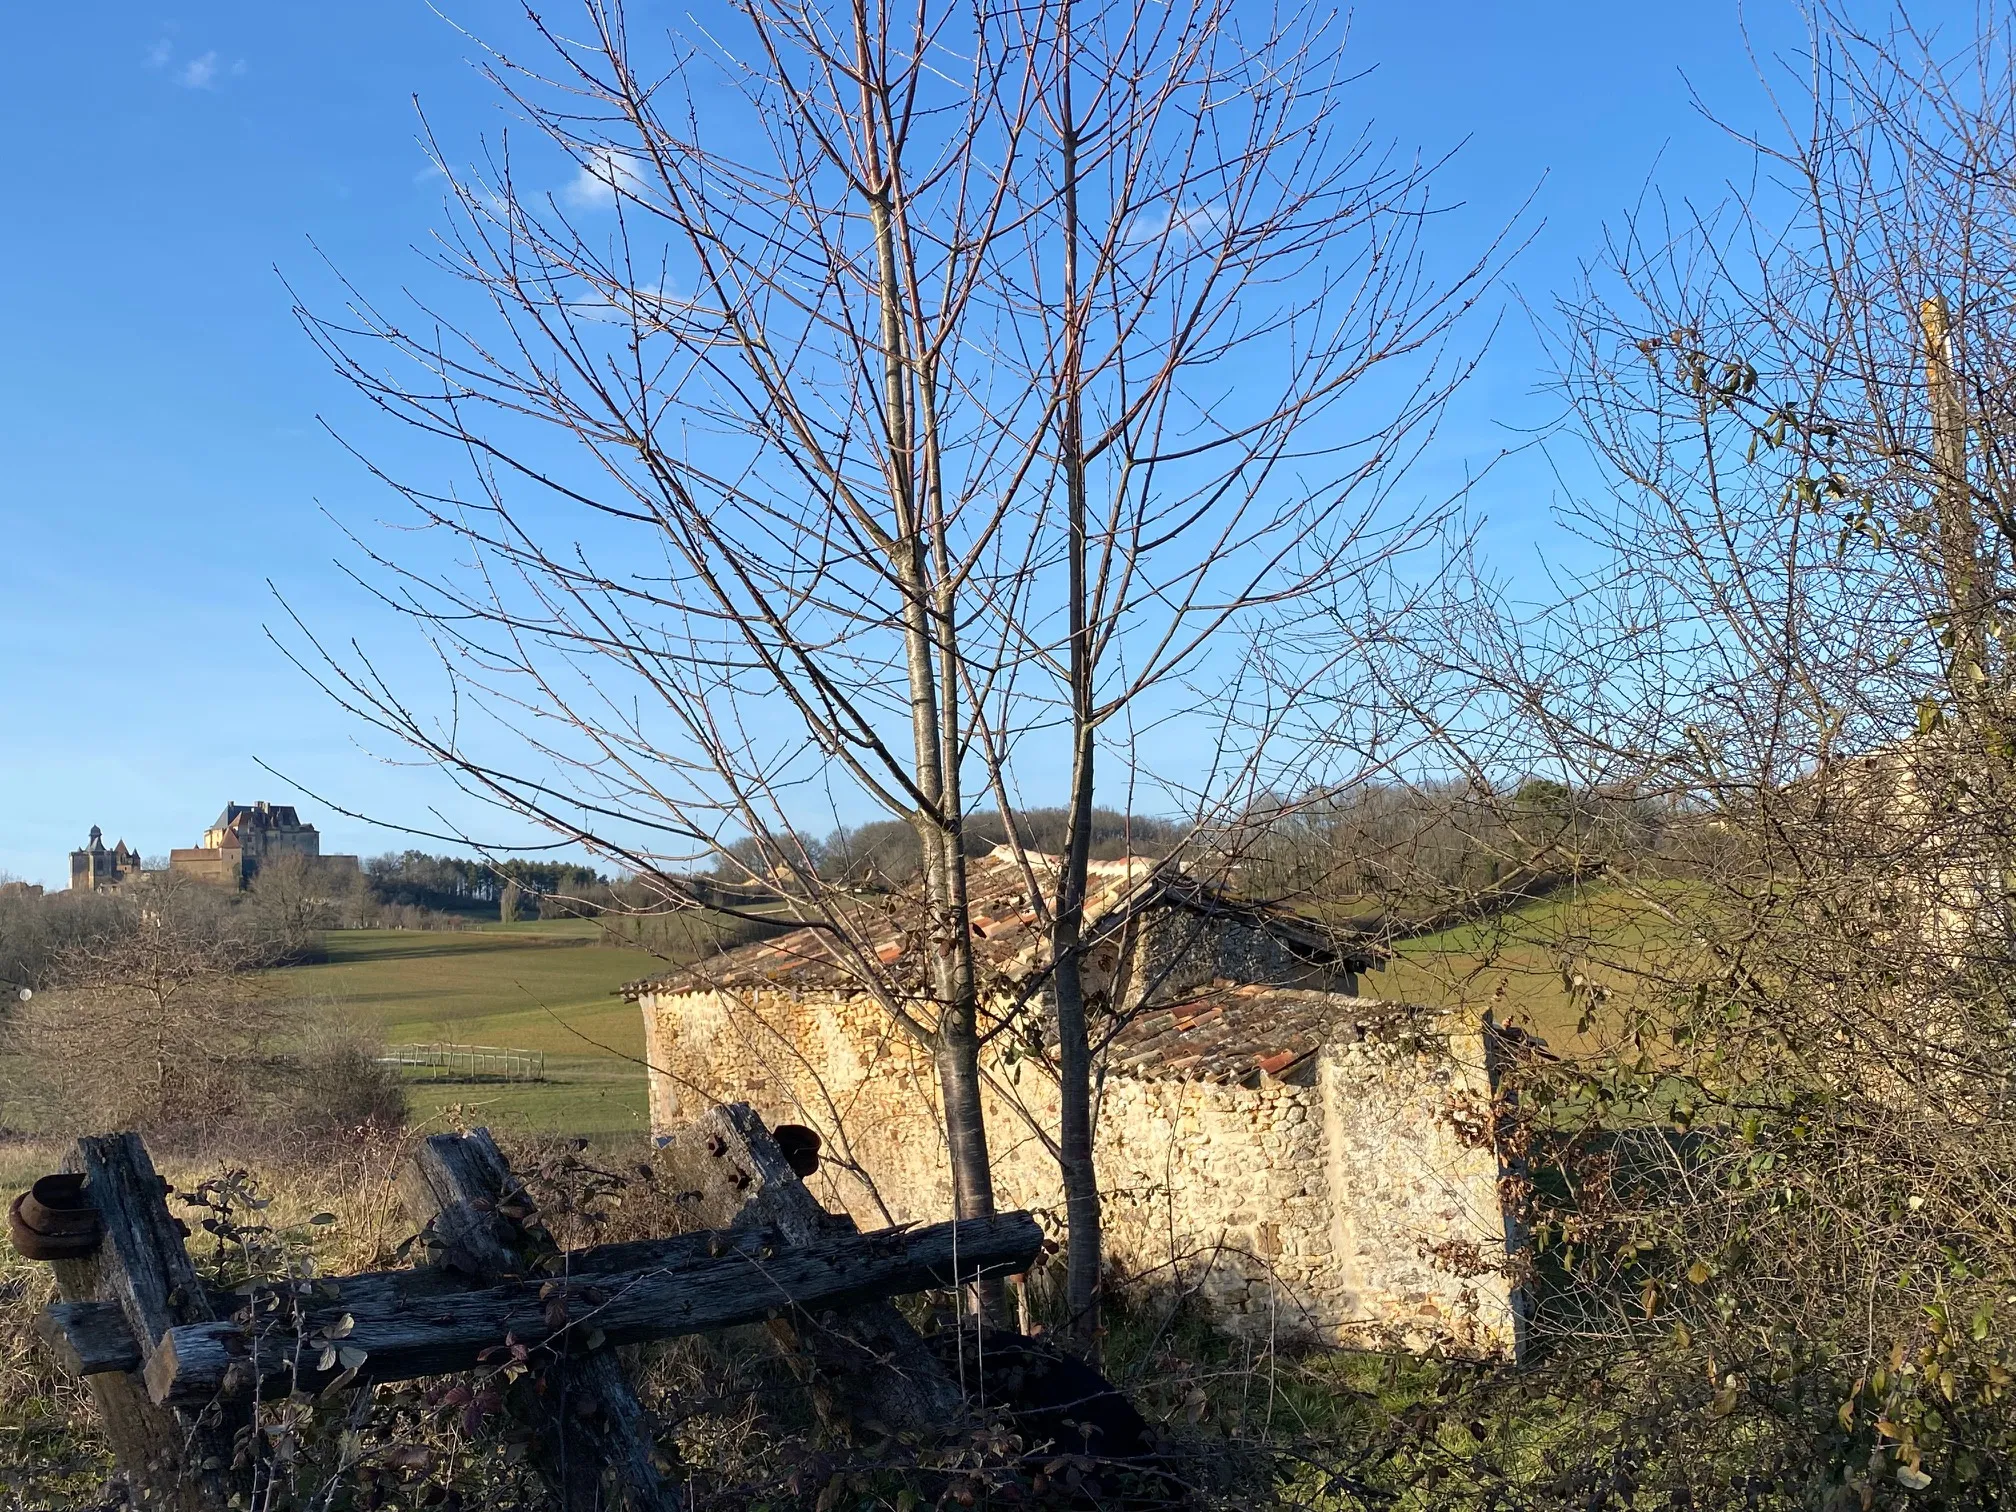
(95, 867)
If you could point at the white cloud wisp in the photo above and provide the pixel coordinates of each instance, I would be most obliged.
(596, 185)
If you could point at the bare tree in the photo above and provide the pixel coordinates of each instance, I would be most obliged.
(292, 899)
(154, 1022)
(1774, 1188)
(900, 408)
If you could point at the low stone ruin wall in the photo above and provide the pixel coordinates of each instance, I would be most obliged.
(1356, 1203)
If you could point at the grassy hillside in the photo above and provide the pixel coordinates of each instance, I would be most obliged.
(542, 986)
(1519, 964)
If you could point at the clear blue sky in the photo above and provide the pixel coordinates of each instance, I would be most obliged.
(161, 457)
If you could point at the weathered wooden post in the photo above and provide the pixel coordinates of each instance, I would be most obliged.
(590, 1440)
(869, 1363)
(173, 1458)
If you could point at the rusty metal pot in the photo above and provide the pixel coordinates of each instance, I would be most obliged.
(54, 1220)
(800, 1146)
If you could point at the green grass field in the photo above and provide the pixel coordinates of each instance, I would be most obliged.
(1519, 964)
(556, 986)
(544, 986)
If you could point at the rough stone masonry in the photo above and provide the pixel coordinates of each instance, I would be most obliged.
(1310, 1163)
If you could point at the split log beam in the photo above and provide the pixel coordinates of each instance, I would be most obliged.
(694, 1284)
(587, 1427)
(867, 1362)
(93, 1338)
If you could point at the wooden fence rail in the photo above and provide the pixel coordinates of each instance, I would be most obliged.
(694, 1284)
(450, 1062)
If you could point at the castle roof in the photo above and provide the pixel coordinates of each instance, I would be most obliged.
(258, 816)
(1009, 937)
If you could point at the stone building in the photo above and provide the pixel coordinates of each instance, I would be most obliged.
(1309, 1162)
(1915, 834)
(244, 837)
(95, 867)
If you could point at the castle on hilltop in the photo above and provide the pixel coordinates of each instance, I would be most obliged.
(95, 867)
(244, 837)
(232, 850)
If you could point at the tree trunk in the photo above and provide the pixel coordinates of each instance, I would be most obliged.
(958, 1061)
(1958, 536)
(934, 724)
(1084, 1241)
(1970, 589)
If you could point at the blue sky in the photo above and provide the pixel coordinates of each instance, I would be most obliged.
(162, 454)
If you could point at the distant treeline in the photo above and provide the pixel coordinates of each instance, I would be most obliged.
(1416, 851)
(461, 884)
(886, 851)
(1401, 852)
(1387, 848)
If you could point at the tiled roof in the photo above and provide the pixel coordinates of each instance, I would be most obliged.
(1008, 933)
(1231, 1031)
(258, 816)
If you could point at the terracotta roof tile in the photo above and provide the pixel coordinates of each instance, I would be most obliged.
(1232, 1031)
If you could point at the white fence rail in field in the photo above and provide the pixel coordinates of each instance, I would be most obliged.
(446, 1062)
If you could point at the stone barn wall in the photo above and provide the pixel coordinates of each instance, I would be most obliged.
(1355, 1202)
(834, 1062)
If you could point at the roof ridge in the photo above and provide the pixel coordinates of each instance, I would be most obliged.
(1004, 917)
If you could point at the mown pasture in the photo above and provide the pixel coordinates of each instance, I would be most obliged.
(1524, 964)
(553, 986)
